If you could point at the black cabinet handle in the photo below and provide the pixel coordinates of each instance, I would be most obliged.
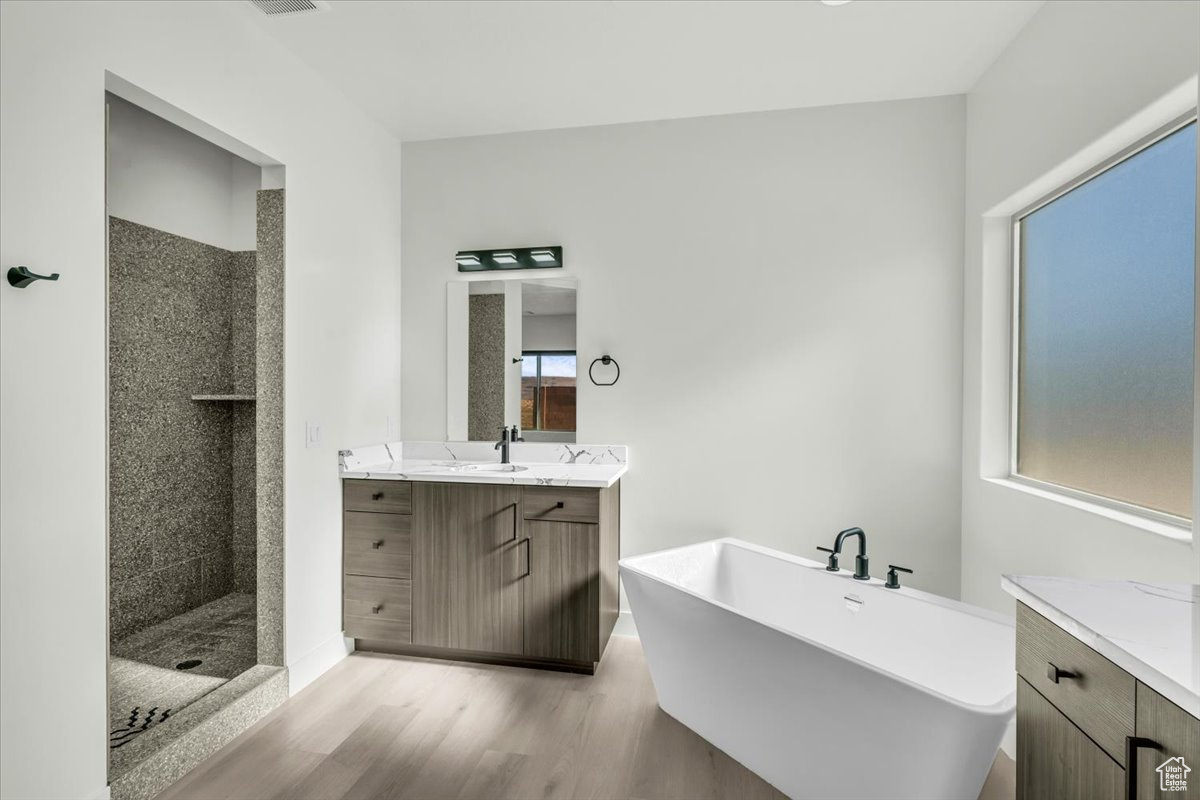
(1132, 745)
(1054, 674)
(376, 609)
(377, 496)
(528, 560)
(516, 522)
(559, 504)
(378, 543)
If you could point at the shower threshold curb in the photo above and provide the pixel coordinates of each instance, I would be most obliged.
(166, 752)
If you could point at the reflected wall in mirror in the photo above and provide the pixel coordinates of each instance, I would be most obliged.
(510, 350)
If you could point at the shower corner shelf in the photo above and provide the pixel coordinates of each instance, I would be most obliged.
(227, 398)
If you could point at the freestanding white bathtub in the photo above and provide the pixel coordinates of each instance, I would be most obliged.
(825, 686)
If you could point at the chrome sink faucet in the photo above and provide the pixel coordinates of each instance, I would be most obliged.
(860, 560)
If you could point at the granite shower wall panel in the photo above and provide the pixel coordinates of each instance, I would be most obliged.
(485, 367)
(170, 478)
(242, 299)
(245, 528)
(269, 375)
(243, 296)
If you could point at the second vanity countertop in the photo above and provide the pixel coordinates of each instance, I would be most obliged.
(1150, 630)
(539, 463)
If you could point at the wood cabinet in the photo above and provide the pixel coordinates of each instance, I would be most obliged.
(1055, 759)
(561, 587)
(498, 573)
(467, 592)
(1077, 716)
(1177, 734)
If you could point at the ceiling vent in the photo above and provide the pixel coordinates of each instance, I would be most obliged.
(279, 8)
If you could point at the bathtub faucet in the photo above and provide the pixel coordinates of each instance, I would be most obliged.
(860, 560)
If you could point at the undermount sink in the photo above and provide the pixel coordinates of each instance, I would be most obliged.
(489, 468)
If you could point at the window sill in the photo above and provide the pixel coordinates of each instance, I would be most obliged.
(1177, 532)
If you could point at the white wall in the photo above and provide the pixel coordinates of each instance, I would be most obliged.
(548, 332)
(782, 291)
(1074, 74)
(167, 178)
(213, 60)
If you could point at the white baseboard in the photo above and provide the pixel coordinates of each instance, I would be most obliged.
(317, 662)
(625, 625)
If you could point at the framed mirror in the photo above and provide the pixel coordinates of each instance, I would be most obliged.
(511, 359)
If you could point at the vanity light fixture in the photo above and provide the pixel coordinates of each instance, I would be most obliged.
(544, 257)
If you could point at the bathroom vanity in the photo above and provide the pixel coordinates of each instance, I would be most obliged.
(1108, 692)
(463, 558)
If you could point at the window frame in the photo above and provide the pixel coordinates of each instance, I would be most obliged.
(1121, 156)
(538, 354)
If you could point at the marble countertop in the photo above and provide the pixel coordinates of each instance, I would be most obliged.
(538, 463)
(1151, 630)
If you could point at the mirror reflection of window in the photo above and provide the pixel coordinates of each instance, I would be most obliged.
(548, 383)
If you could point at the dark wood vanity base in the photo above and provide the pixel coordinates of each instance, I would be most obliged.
(1086, 728)
(474, 656)
(492, 573)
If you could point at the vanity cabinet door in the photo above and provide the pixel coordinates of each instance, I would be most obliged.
(562, 590)
(466, 589)
(1055, 760)
(1178, 735)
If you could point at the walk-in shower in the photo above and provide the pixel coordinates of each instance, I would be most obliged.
(195, 270)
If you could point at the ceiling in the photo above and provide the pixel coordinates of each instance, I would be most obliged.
(548, 298)
(545, 297)
(433, 70)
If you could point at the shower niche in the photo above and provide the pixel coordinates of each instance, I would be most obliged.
(195, 305)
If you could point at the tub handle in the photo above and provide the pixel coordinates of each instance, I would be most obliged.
(1054, 674)
(833, 558)
(1132, 745)
(893, 579)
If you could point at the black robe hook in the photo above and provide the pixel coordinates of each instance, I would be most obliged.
(21, 277)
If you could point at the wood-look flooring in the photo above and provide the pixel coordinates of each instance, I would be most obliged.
(379, 726)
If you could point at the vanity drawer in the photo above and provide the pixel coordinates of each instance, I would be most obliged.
(377, 544)
(377, 608)
(553, 504)
(393, 497)
(1099, 697)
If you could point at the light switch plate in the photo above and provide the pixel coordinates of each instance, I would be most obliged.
(312, 434)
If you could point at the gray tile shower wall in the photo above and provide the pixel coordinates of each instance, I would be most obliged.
(243, 295)
(269, 427)
(172, 459)
(485, 367)
(242, 345)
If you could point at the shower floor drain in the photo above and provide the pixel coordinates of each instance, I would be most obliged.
(191, 663)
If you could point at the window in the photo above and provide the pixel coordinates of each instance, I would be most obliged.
(1104, 330)
(548, 391)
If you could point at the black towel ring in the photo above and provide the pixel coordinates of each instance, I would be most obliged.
(605, 360)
